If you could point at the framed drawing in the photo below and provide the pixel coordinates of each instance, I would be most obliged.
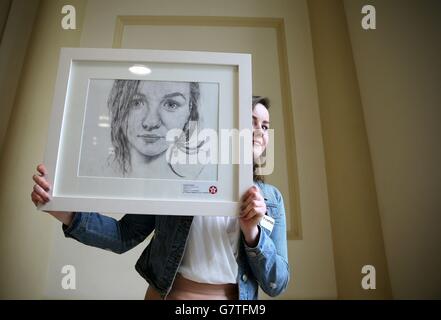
(150, 132)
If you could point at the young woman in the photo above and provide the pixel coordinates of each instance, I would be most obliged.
(197, 257)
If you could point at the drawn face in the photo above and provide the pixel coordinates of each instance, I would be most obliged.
(155, 109)
(260, 129)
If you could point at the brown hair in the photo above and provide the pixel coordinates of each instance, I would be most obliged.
(266, 103)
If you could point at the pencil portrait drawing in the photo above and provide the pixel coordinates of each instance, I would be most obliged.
(127, 122)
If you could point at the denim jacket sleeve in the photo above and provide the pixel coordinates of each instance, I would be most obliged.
(107, 233)
(269, 259)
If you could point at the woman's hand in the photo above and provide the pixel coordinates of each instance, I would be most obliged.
(253, 208)
(40, 195)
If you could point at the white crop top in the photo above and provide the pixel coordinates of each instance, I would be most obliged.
(211, 250)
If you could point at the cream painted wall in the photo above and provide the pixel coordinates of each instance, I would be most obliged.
(356, 226)
(18, 22)
(25, 234)
(32, 246)
(399, 72)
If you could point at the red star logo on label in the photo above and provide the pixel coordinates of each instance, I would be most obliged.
(212, 189)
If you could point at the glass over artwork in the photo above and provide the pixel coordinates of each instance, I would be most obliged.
(130, 125)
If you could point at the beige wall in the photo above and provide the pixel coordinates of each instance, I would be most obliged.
(356, 227)
(399, 70)
(16, 22)
(25, 234)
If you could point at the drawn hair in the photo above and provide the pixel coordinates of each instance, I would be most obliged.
(118, 104)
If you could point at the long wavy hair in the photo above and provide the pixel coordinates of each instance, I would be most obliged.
(266, 103)
(118, 104)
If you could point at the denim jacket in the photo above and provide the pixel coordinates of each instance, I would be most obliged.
(265, 265)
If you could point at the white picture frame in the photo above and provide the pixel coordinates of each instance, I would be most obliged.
(82, 79)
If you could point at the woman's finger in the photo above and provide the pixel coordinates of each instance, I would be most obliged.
(255, 213)
(42, 182)
(42, 169)
(249, 215)
(36, 199)
(39, 190)
(250, 212)
(246, 195)
(249, 206)
(245, 209)
(255, 195)
(247, 202)
(253, 203)
(249, 192)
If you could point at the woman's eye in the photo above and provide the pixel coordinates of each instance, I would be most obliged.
(136, 103)
(265, 128)
(171, 104)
